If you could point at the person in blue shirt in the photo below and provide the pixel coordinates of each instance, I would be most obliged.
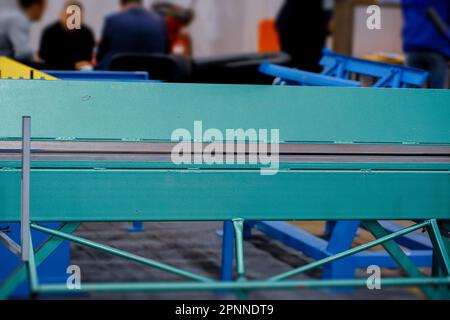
(133, 30)
(424, 45)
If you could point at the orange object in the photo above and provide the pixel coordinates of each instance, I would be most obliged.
(268, 37)
(179, 40)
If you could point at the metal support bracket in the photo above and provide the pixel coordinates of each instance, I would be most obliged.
(25, 234)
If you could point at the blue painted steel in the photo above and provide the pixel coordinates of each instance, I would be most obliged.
(121, 76)
(299, 77)
(388, 75)
(226, 273)
(338, 69)
(136, 227)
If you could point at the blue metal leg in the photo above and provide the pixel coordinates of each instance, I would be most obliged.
(339, 270)
(137, 226)
(341, 239)
(227, 251)
(248, 226)
(342, 236)
(329, 226)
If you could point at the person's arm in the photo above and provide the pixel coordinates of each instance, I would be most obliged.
(19, 35)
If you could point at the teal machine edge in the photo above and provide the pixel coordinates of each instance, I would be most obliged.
(408, 178)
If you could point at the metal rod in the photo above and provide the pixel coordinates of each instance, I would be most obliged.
(394, 250)
(241, 285)
(240, 264)
(440, 250)
(349, 252)
(25, 196)
(122, 254)
(32, 271)
(10, 244)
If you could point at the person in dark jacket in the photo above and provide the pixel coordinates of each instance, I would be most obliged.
(425, 47)
(66, 48)
(302, 26)
(133, 30)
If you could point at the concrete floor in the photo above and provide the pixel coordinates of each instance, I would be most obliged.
(196, 247)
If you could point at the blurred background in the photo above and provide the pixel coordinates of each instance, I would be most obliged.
(215, 36)
(232, 26)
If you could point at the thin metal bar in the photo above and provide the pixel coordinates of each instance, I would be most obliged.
(349, 252)
(25, 206)
(240, 264)
(398, 254)
(155, 147)
(440, 250)
(10, 244)
(240, 285)
(32, 270)
(122, 254)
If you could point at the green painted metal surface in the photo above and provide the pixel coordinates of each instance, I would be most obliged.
(149, 195)
(136, 111)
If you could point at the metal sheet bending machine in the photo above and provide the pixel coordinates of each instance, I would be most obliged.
(105, 152)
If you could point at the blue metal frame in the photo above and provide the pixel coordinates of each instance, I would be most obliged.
(122, 76)
(337, 71)
(387, 75)
(300, 77)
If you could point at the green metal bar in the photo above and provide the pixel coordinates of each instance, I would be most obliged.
(42, 253)
(440, 249)
(398, 255)
(121, 253)
(345, 195)
(32, 270)
(349, 252)
(240, 263)
(239, 285)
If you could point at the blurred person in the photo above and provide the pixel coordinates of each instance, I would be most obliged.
(425, 47)
(133, 30)
(302, 27)
(177, 20)
(65, 49)
(15, 28)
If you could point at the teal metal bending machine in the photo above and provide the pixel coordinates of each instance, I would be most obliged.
(76, 152)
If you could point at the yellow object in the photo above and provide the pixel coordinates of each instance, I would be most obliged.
(385, 57)
(10, 69)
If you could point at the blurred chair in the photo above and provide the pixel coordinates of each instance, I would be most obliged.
(162, 67)
(230, 69)
(237, 69)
